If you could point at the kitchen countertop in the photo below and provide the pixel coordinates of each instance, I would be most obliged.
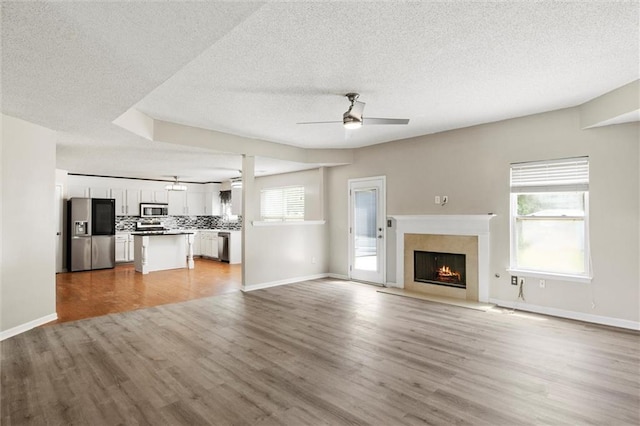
(161, 233)
(176, 231)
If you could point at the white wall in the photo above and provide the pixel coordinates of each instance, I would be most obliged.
(28, 288)
(471, 166)
(286, 253)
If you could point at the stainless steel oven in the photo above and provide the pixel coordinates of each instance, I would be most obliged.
(154, 209)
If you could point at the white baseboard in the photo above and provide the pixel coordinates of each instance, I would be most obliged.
(284, 282)
(580, 316)
(27, 326)
(339, 277)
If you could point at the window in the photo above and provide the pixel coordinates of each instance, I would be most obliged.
(282, 204)
(549, 217)
(225, 206)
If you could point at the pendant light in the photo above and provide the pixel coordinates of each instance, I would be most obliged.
(175, 186)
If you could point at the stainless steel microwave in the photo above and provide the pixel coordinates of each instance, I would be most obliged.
(154, 209)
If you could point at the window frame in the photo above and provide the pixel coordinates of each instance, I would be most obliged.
(283, 217)
(514, 217)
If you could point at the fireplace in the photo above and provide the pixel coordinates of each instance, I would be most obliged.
(465, 234)
(446, 269)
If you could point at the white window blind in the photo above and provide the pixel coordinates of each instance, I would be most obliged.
(550, 218)
(570, 174)
(282, 204)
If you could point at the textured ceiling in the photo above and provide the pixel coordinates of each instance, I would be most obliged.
(256, 69)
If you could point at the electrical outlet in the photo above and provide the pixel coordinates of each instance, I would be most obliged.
(437, 199)
(514, 280)
(543, 283)
(313, 260)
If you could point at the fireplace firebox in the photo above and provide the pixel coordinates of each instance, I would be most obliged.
(447, 269)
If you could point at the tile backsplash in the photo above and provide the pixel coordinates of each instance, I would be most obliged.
(128, 223)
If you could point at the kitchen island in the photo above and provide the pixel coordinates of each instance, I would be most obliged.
(158, 251)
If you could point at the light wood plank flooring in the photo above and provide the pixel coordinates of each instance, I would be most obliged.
(89, 294)
(321, 352)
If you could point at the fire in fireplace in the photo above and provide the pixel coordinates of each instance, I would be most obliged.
(446, 269)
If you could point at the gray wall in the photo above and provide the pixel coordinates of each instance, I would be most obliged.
(27, 289)
(471, 166)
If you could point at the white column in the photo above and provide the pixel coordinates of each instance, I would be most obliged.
(190, 263)
(249, 207)
(145, 245)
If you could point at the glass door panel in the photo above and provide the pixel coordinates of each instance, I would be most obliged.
(366, 229)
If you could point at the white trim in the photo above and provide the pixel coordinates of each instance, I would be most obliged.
(580, 316)
(28, 326)
(283, 282)
(381, 207)
(339, 276)
(473, 225)
(549, 275)
(288, 223)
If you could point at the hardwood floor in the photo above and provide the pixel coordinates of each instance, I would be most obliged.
(89, 294)
(322, 352)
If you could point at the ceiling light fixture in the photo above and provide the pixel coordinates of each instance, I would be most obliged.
(352, 119)
(175, 186)
(351, 123)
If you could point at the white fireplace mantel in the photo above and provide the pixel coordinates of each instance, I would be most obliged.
(472, 225)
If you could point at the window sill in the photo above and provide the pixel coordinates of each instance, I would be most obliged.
(290, 223)
(550, 276)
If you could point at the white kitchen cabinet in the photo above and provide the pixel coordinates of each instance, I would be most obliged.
(133, 203)
(124, 253)
(214, 245)
(177, 203)
(130, 249)
(127, 201)
(124, 247)
(212, 204)
(78, 191)
(99, 192)
(205, 244)
(195, 203)
(153, 196)
(209, 244)
(146, 196)
(236, 201)
(121, 248)
(186, 203)
(161, 196)
(121, 200)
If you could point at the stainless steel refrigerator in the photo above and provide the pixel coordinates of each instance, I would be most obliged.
(92, 234)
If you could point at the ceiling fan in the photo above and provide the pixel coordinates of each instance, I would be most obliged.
(353, 119)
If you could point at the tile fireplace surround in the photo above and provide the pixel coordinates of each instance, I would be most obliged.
(438, 225)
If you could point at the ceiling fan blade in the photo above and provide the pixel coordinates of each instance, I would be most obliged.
(319, 122)
(371, 120)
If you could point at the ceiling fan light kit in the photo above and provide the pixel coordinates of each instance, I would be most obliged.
(176, 186)
(351, 122)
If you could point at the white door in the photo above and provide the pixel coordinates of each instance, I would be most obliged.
(59, 227)
(367, 229)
